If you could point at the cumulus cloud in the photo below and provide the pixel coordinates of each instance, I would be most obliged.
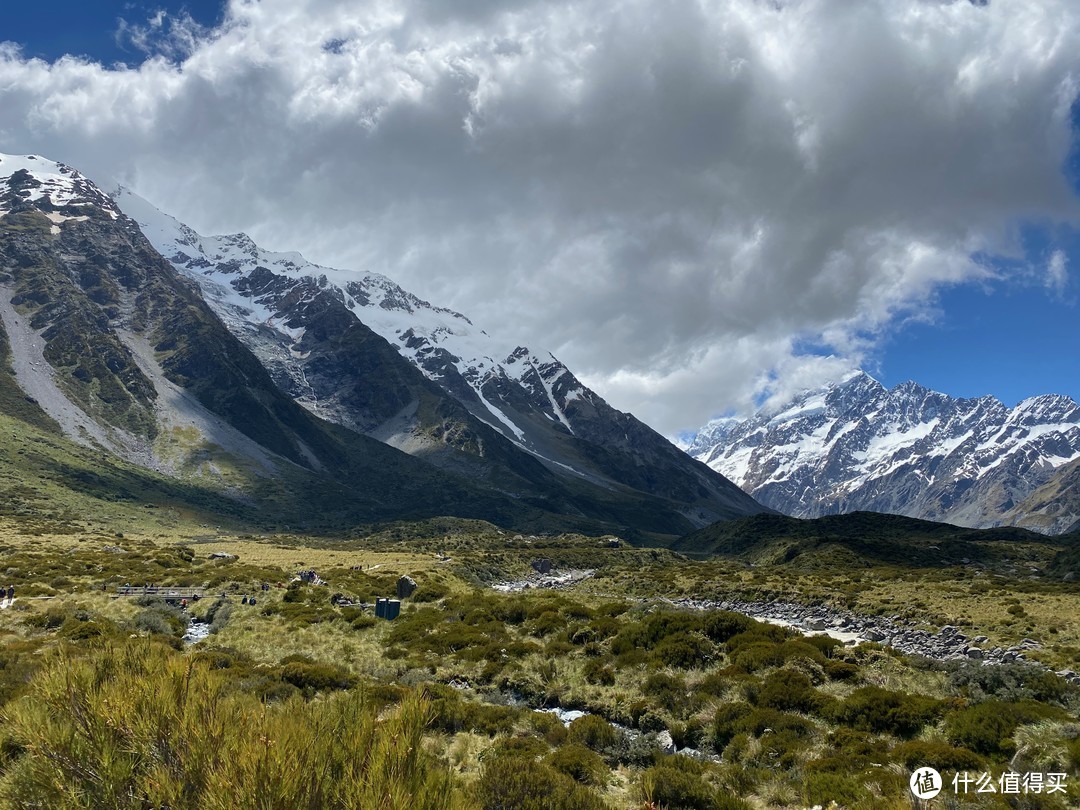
(672, 197)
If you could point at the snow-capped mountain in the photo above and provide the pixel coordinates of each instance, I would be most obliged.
(128, 332)
(311, 326)
(257, 291)
(856, 445)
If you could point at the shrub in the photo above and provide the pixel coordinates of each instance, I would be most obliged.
(593, 732)
(939, 755)
(317, 677)
(872, 708)
(841, 670)
(822, 787)
(669, 691)
(727, 723)
(677, 783)
(524, 784)
(721, 625)
(579, 763)
(154, 621)
(685, 651)
(549, 726)
(596, 673)
(787, 690)
(1010, 682)
(987, 728)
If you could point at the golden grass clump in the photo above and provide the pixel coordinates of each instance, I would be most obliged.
(140, 726)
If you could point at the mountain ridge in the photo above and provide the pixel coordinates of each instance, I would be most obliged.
(293, 314)
(856, 445)
(193, 375)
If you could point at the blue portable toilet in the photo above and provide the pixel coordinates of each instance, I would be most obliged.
(380, 608)
(393, 608)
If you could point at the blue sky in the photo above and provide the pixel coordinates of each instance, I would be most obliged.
(1013, 339)
(92, 29)
(684, 231)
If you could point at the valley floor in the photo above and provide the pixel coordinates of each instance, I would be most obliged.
(280, 690)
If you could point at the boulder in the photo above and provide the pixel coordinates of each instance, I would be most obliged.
(405, 587)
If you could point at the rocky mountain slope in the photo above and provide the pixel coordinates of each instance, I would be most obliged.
(357, 349)
(856, 445)
(261, 382)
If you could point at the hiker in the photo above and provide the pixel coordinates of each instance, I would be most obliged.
(10, 592)
(244, 601)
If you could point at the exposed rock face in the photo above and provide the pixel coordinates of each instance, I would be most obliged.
(355, 348)
(857, 446)
(114, 349)
(237, 368)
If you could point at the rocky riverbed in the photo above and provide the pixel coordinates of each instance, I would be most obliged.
(554, 580)
(947, 644)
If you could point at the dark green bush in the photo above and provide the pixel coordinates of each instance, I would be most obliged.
(685, 651)
(728, 722)
(596, 673)
(872, 708)
(939, 755)
(317, 677)
(987, 728)
(721, 625)
(520, 783)
(822, 787)
(841, 670)
(678, 783)
(787, 690)
(549, 726)
(594, 732)
(579, 763)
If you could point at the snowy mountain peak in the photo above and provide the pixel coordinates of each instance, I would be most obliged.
(255, 290)
(910, 450)
(58, 191)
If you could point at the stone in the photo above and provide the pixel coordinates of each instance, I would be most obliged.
(405, 587)
(974, 652)
(667, 745)
(542, 566)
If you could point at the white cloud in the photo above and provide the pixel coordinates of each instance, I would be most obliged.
(671, 197)
(1057, 273)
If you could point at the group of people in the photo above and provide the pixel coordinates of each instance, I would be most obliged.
(8, 592)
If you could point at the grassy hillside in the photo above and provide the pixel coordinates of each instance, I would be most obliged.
(864, 539)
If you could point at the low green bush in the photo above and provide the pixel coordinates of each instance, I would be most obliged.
(593, 732)
(316, 677)
(522, 783)
(939, 755)
(872, 708)
(579, 763)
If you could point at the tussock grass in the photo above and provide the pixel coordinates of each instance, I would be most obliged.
(136, 725)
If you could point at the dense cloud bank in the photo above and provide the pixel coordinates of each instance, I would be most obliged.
(670, 196)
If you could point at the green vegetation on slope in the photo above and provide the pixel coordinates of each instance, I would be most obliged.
(863, 539)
